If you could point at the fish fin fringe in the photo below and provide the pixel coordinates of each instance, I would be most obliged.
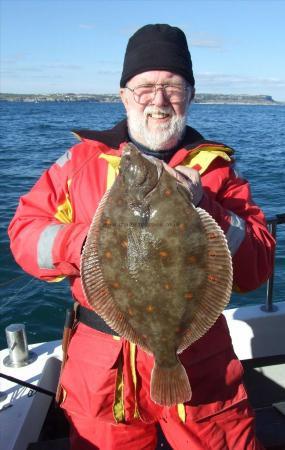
(95, 288)
(218, 287)
(170, 386)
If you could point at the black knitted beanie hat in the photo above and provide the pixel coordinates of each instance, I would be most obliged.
(157, 47)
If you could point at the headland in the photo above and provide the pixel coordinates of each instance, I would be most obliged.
(113, 98)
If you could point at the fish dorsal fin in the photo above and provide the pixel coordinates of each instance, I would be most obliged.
(94, 286)
(217, 292)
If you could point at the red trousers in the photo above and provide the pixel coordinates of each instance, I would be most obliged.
(233, 430)
(107, 400)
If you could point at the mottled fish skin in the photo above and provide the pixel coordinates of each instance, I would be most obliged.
(156, 269)
(153, 254)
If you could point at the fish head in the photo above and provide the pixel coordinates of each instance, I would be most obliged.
(139, 174)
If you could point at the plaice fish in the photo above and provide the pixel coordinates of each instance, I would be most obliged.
(156, 269)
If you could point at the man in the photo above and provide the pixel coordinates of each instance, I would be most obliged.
(106, 378)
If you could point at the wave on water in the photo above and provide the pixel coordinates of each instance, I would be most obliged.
(36, 135)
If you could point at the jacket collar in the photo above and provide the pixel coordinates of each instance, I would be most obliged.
(192, 144)
(112, 137)
(115, 136)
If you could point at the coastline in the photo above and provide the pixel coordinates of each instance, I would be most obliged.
(215, 99)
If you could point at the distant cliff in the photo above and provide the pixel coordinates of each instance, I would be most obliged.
(235, 99)
(113, 98)
(99, 98)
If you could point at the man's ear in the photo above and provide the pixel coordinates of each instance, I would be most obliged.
(193, 91)
(124, 98)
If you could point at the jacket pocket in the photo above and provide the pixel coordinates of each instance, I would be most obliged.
(90, 374)
(216, 385)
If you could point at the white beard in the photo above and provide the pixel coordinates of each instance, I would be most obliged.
(166, 136)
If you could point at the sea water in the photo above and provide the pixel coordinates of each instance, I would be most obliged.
(34, 135)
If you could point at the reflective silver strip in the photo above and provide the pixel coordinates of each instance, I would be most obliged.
(64, 159)
(237, 172)
(236, 233)
(45, 246)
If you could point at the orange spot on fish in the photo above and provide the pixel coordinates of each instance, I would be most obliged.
(163, 254)
(108, 254)
(212, 278)
(182, 226)
(131, 312)
(212, 235)
(188, 295)
(168, 192)
(115, 285)
(191, 259)
(167, 286)
(211, 253)
(149, 308)
(107, 221)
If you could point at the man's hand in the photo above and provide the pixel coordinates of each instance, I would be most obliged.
(190, 179)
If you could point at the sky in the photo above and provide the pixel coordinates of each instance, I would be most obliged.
(78, 46)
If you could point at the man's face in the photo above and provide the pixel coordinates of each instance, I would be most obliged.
(159, 122)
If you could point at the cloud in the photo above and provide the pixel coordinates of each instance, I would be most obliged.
(129, 30)
(240, 84)
(205, 40)
(61, 66)
(87, 26)
(14, 58)
(15, 69)
(109, 72)
(206, 43)
(215, 79)
(105, 62)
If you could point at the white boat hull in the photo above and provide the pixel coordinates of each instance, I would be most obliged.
(255, 334)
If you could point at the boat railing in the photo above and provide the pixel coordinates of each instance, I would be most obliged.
(272, 222)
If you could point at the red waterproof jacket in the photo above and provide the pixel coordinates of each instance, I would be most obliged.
(51, 224)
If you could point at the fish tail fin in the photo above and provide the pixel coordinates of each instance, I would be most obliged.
(170, 386)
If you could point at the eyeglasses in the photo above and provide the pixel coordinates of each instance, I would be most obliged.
(145, 93)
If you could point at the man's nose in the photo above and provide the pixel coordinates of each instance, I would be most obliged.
(160, 97)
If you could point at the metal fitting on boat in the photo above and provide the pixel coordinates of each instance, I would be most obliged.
(19, 354)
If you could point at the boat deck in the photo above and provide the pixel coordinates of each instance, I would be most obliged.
(264, 377)
(264, 394)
